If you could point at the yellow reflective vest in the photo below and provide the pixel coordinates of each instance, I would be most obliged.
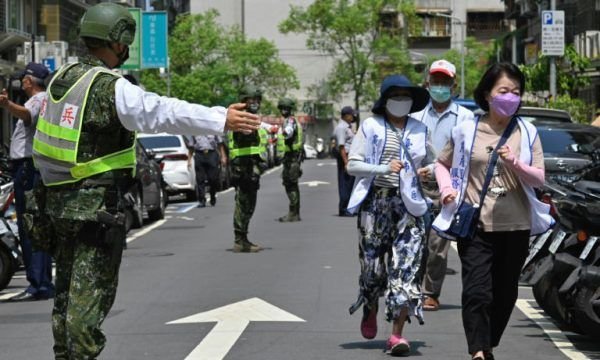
(56, 140)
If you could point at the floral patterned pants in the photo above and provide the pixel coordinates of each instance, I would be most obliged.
(391, 245)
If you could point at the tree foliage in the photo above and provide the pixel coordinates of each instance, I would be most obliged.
(351, 33)
(568, 82)
(210, 63)
(567, 70)
(477, 59)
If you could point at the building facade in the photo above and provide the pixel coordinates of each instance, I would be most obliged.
(582, 29)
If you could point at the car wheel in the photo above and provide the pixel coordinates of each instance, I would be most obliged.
(6, 268)
(159, 212)
(137, 211)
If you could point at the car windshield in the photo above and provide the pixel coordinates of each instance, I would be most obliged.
(559, 141)
(157, 142)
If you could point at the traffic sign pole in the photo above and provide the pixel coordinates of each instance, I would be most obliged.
(553, 63)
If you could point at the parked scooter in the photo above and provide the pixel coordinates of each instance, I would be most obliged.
(563, 266)
(10, 253)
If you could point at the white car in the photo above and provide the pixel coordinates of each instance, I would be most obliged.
(172, 153)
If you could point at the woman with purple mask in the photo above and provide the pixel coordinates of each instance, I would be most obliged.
(509, 212)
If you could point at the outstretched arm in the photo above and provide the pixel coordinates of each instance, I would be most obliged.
(144, 111)
(14, 109)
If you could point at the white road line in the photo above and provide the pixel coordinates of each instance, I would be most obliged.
(273, 170)
(187, 208)
(9, 295)
(558, 337)
(146, 230)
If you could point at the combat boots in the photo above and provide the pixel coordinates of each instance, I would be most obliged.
(290, 217)
(293, 215)
(242, 244)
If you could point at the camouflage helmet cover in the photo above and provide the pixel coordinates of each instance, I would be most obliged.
(249, 91)
(108, 21)
(286, 103)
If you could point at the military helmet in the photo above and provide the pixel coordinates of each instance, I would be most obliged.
(108, 21)
(249, 91)
(286, 103)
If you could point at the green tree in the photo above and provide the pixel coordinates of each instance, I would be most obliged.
(568, 69)
(477, 58)
(351, 32)
(210, 63)
(568, 79)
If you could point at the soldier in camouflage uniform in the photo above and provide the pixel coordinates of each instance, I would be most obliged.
(291, 131)
(248, 161)
(84, 148)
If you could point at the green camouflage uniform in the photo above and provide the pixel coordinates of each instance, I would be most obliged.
(245, 176)
(87, 252)
(290, 175)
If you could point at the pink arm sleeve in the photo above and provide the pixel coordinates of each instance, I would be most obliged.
(442, 176)
(530, 175)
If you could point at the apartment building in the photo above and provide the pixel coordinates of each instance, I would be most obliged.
(582, 29)
(447, 22)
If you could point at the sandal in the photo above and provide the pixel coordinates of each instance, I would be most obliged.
(431, 304)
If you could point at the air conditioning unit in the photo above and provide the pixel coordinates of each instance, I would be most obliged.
(60, 48)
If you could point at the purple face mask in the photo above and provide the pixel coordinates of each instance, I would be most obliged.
(505, 104)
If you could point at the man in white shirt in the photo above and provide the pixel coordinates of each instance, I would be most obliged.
(344, 134)
(38, 264)
(84, 148)
(441, 116)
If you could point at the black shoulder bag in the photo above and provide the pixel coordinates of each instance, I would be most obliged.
(464, 224)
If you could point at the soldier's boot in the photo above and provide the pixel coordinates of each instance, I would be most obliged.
(242, 244)
(292, 216)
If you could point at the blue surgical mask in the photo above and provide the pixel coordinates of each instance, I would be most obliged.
(440, 93)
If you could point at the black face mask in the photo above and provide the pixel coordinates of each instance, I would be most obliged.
(285, 112)
(253, 107)
(123, 56)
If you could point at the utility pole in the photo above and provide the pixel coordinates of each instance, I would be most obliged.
(243, 18)
(553, 63)
(463, 24)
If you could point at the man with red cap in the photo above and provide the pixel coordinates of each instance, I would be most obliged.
(441, 115)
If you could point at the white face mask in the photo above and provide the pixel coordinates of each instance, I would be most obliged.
(399, 106)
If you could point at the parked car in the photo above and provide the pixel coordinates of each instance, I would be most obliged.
(172, 152)
(148, 193)
(560, 141)
(468, 103)
(533, 114)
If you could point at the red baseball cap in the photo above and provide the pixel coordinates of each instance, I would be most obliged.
(443, 66)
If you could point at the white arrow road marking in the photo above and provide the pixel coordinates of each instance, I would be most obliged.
(314, 183)
(327, 163)
(231, 321)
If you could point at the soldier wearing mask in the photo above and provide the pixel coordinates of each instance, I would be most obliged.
(291, 133)
(84, 148)
(248, 161)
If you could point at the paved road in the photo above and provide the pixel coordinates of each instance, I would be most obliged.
(295, 294)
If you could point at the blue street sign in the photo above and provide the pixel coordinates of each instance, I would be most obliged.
(49, 63)
(154, 40)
